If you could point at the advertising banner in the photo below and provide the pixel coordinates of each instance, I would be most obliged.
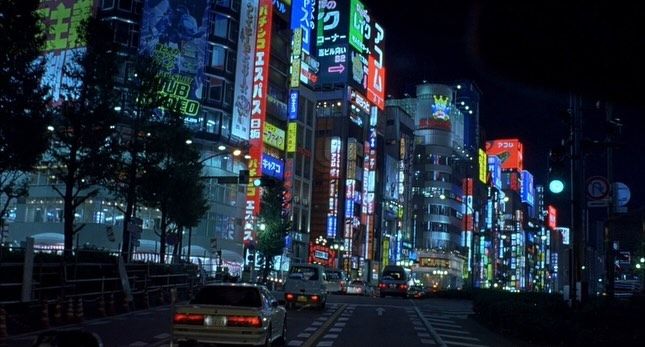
(495, 169)
(509, 151)
(293, 104)
(334, 175)
(483, 166)
(292, 137)
(274, 136)
(302, 17)
(440, 112)
(62, 18)
(552, 217)
(391, 178)
(244, 69)
(272, 166)
(376, 83)
(527, 190)
(175, 33)
(258, 114)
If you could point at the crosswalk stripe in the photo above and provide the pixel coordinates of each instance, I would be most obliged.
(446, 324)
(294, 343)
(465, 344)
(459, 337)
(452, 331)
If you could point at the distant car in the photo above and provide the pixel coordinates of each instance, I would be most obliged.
(393, 282)
(230, 313)
(416, 291)
(306, 286)
(336, 281)
(358, 287)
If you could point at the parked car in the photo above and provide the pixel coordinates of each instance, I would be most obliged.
(393, 282)
(359, 287)
(230, 313)
(306, 286)
(336, 281)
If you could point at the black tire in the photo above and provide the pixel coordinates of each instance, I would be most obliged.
(282, 340)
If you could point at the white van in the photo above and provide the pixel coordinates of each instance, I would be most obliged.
(306, 285)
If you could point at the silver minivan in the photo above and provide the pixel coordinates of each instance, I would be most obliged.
(306, 285)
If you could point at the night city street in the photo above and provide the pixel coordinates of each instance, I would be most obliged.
(321, 173)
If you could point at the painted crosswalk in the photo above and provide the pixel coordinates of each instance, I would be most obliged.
(444, 319)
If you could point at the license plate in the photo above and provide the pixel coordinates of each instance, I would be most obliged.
(392, 285)
(302, 298)
(216, 321)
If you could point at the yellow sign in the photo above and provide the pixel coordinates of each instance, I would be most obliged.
(296, 51)
(434, 262)
(292, 137)
(386, 252)
(273, 136)
(483, 166)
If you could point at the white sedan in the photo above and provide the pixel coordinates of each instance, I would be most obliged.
(230, 313)
(358, 287)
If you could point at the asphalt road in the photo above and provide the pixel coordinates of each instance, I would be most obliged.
(347, 321)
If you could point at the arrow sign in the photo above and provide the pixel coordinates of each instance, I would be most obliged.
(379, 311)
(339, 68)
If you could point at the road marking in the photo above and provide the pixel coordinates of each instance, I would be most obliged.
(311, 329)
(434, 318)
(330, 336)
(459, 337)
(428, 342)
(379, 311)
(454, 343)
(304, 335)
(423, 335)
(317, 323)
(441, 324)
(294, 343)
(162, 336)
(137, 344)
(310, 341)
(452, 331)
(435, 336)
(340, 325)
(343, 319)
(325, 344)
(335, 330)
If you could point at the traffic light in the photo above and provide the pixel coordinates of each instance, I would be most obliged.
(557, 169)
(265, 182)
(243, 178)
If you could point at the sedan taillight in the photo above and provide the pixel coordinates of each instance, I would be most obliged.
(403, 286)
(244, 321)
(188, 318)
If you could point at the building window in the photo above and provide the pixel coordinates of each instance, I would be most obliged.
(213, 121)
(234, 32)
(226, 125)
(228, 93)
(107, 4)
(215, 89)
(218, 57)
(220, 26)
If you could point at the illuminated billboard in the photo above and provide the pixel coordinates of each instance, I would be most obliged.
(495, 169)
(292, 108)
(302, 17)
(391, 178)
(274, 136)
(258, 114)
(376, 83)
(292, 137)
(483, 166)
(552, 215)
(509, 151)
(273, 167)
(62, 18)
(174, 33)
(244, 69)
(440, 112)
(527, 190)
(335, 146)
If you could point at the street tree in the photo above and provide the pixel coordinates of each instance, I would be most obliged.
(275, 223)
(23, 99)
(171, 177)
(138, 115)
(84, 132)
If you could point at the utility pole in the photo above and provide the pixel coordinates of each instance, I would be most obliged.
(609, 235)
(577, 273)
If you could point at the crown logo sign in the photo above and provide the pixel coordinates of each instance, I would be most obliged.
(440, 101)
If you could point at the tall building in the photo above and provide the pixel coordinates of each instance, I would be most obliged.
(444, 183)
(349, 135)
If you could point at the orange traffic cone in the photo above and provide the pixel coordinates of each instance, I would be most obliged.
(101, 306)
(44, 314)
(58, 311)
(69, 314)
(79, 310)
(3, 327)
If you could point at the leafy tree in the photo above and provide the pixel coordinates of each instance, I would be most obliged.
(276, 226)
(23, 99)
(138, 119)
(84, 123)
(172, 177)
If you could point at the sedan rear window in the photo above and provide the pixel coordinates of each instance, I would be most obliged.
(229, 296)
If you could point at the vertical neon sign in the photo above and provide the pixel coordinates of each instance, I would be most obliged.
(258, 115)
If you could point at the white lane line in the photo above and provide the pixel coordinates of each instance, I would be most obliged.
(343, 319)
(459, 337)
(330, 336)
(325, 344)
(310, 329)
(340, 325)
(304, 335)
(335, 330)
(453, 331)
(428, 342)
(294, 343)
(137, 344)
(161, 336)
(455, 343)
(423, 335)
(441, 324)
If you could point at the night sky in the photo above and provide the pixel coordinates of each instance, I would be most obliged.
(526, 60)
